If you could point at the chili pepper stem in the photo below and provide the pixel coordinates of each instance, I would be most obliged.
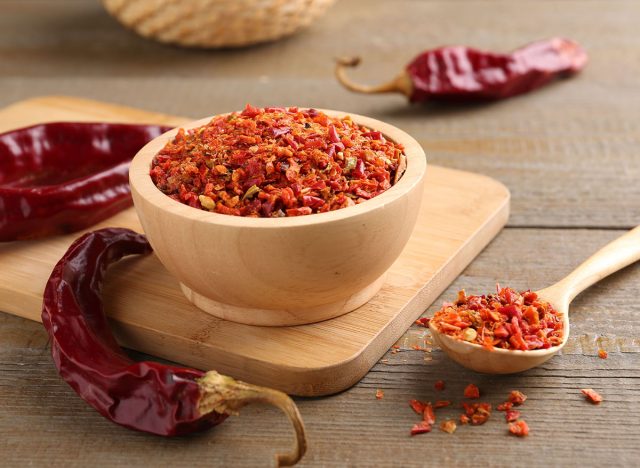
(400, 84)
(226, 395)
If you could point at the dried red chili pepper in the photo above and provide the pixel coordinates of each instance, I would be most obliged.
(460, 74)
(602, 354)
(62, 177)
(145, 396)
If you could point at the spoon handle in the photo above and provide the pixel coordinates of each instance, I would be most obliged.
(614, 256)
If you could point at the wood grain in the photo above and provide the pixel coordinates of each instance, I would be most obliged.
(568, 153)
(44, 422)
(585, 130)
(151, 314)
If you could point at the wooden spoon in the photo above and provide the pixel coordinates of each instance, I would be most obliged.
(614, 256)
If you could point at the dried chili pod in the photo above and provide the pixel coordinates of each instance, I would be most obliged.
(145, 396)
(464, 74)
(64, 176)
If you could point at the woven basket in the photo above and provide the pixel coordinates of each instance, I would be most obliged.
(216, 23)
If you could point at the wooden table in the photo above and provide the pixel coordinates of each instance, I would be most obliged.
(569, 154)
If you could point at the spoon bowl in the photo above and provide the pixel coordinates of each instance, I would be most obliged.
(614, 256)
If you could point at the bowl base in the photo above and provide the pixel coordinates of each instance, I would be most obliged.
(279, 318)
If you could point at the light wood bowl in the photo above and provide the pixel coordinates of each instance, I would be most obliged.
(281, 271)
(216, 23)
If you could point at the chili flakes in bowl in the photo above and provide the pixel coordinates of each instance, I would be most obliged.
(277, 162)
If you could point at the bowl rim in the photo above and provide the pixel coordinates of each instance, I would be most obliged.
(143, 186)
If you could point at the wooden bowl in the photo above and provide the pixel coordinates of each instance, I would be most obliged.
(216, 23)
(281, 271)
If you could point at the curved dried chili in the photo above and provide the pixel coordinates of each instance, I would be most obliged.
(65, 176)
(462, 74)
(145, 396)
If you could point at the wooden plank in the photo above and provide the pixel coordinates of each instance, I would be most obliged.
(584, 130)
(153, 316)
(42, 416)
(568, 153)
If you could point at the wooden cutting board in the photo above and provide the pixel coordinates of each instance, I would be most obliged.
(461, 212)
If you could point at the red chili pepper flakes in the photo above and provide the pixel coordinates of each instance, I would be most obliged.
(417, 406)
(506, 406)
(379, 394)
(478, 412)
(276, 162)
(464, 419)
(512, 415)
(507, 320)
(439, 385)
(592, 396)
(421, 428)
(472, 391)
(448, 426)
(428, 415)
(423, 322)
(442, 404)
(602, 354)
(519, 428)
(517, 398)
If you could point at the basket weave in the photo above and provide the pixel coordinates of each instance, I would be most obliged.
(216, 23)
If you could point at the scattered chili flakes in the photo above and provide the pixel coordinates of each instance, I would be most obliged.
(472, 391)
(422, 322)
(441, 404)
(512, 415)
(506, 320)
(277, 162)
(591, 395)
(464, 419)
(477, 412)
(421, 428)
(417, 406)
(519, 428)
(506, 406)
(517, 398)
(439, 385)
(448, 426)
(428, 415)
(379, 394)
(602, 354)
